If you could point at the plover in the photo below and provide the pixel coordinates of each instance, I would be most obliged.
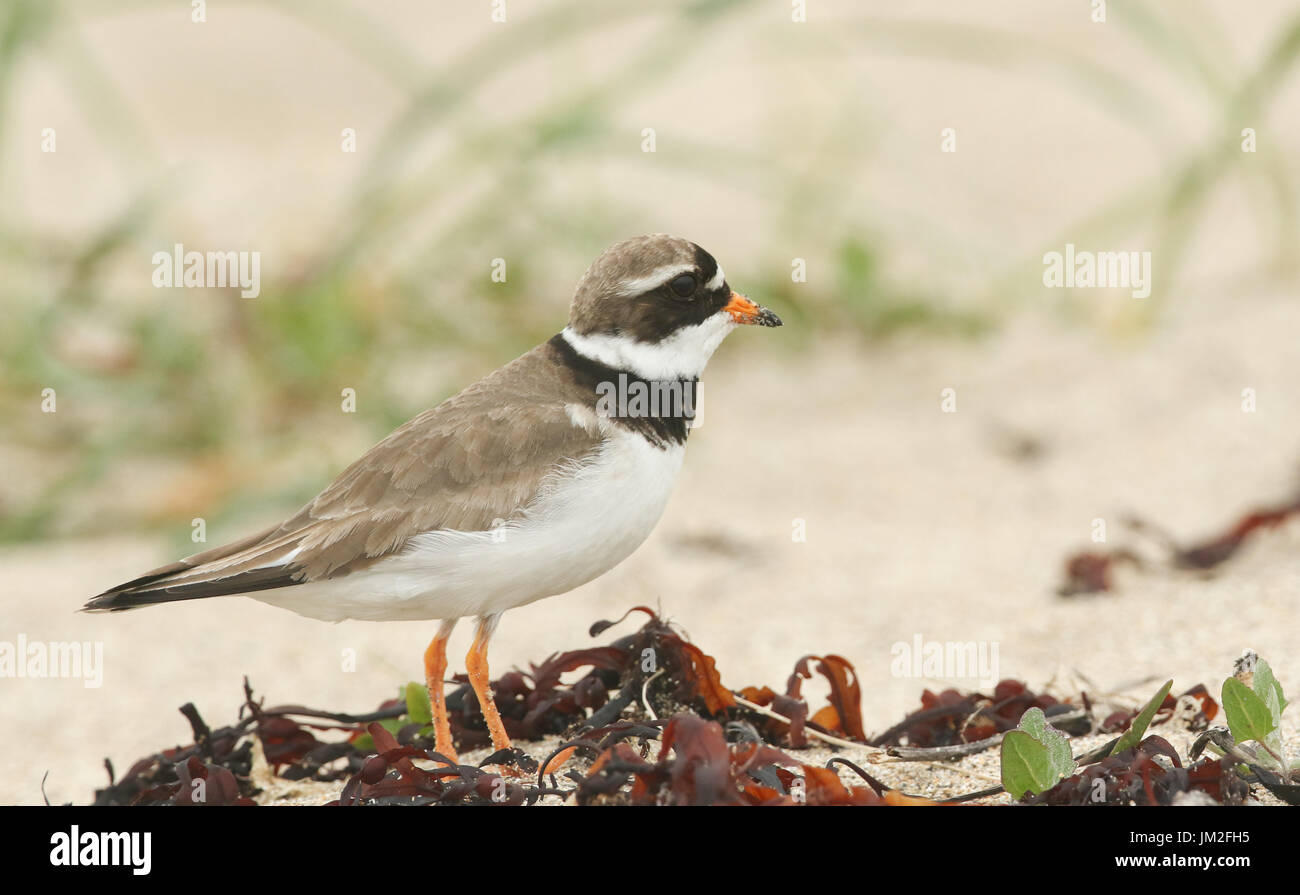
(529, 483)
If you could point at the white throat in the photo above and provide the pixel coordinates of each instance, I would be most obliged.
(683, 355)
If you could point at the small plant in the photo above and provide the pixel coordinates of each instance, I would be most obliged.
(1035, 756)
(1133, 735)
(418, 711)
(1253, 702)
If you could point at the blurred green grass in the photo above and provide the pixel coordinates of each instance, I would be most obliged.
(149, 371)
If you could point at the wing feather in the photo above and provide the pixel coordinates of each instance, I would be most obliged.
(476, 460)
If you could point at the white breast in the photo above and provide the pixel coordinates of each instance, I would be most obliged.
(585, 523)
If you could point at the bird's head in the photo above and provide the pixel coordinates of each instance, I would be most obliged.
(657, 306)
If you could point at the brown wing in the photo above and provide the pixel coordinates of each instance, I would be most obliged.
(477, 458)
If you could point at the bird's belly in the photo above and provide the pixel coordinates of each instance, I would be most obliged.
(581, 528)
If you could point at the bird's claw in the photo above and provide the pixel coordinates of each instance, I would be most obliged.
(511, 762)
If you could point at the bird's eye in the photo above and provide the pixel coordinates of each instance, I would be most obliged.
(683, 286)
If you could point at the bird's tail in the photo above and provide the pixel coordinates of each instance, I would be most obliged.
(242, 567)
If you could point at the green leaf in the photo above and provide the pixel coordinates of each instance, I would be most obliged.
(1034, 723)
(1268, 689)
(418, 710)
(1249, 717)
(1025, 765)
(1138, 728)
(1035, 756)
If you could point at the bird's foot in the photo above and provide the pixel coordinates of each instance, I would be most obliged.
(511, 762)
(442, 746)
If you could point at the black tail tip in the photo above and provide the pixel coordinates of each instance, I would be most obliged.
(109, 602)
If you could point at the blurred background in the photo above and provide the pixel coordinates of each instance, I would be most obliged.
(778, 144)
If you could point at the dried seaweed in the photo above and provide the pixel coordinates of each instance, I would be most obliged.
(536, 704)
(1209, 553)
(391, 777)
(220, 760)
(711, 750)
(951, 717)
(1206, 710)
(609, 712)
(697, 766)
(1136, 777)
(1091, 572)
(842, 716)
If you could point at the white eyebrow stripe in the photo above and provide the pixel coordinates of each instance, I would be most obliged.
(718, 279)
(654, 280)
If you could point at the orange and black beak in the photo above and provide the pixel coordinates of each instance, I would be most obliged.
(742, 310)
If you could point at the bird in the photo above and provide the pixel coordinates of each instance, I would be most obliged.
(542, 476)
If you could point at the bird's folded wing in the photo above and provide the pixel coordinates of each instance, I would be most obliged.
(475, 461)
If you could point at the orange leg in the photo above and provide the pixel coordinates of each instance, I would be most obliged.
(435, 672)
(477, 665)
